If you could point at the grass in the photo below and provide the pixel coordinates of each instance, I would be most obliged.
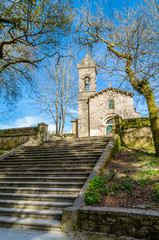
(131, 179)
(2, 152)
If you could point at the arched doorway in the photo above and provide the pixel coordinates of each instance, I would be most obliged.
(109, 126)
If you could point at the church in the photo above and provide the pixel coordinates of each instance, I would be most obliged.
(97, 110)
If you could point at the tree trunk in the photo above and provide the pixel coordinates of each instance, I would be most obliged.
(67, 90)
(57, 96)
(154, 119)
(62, 101)
(143, 88)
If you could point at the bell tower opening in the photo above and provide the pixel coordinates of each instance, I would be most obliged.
(87, 83)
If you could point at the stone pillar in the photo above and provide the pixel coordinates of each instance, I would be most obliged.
(43, 131)
(75, 127)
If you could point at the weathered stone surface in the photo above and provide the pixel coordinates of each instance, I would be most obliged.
(70, 218)
(122, 222)
(11, 138)
(97, 236)
(137, 136)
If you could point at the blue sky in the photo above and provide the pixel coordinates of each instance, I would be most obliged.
(26, 114)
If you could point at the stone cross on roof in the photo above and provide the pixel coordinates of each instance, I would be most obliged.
(110, 83)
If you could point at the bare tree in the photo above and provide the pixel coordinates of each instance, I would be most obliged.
(30, 30)
(58, 92)
(129, 46)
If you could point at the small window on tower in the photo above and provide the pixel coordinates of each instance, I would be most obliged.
(87, 83)
(111, 104)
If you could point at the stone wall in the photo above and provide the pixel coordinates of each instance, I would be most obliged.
(11, 138)
(136, 132)
(134, 223)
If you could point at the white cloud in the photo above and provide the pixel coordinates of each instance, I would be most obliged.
(29, 121)
(26, 121)
(73, 111)
(51, 128)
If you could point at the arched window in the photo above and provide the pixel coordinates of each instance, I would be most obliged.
(87, 83)
(111, 104)
(110, 121)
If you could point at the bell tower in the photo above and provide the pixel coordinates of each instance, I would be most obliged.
(87, 87)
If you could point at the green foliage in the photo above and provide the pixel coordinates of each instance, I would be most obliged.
(135, 123)
(149, 166)
(117, 146)
(105, 191)
(30, 30)
(141, 178)
(2, 152)
(112, 174)
(92, 196)
(156, 192)
(97, 182)
(127, 186)
(116, 187)
(96, 187)
(121, 147)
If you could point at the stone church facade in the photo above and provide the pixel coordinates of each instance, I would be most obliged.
(97, 110)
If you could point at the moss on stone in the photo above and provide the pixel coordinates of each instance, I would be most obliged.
(135, 123)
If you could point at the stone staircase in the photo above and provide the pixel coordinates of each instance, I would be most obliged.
(36, 183)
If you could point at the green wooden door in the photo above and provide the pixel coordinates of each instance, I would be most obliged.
(109, 128)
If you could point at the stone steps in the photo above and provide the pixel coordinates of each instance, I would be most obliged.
(56, 191)
(43, 184)
(59, 156)
(67, 165)
(36, 183)
(41, 174)
(66, 149)
(35, 205)
(31, 213)
(45, 179)
(91, 161)
(30, 223)
(37, 197)
(53, 170)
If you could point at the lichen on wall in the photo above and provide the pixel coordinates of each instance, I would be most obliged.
(12, 138)
(136, 132)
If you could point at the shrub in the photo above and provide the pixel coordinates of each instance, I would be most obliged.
(96, 187)
(92, 196)
(105, 191)
(127, 186)
(116, 187)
